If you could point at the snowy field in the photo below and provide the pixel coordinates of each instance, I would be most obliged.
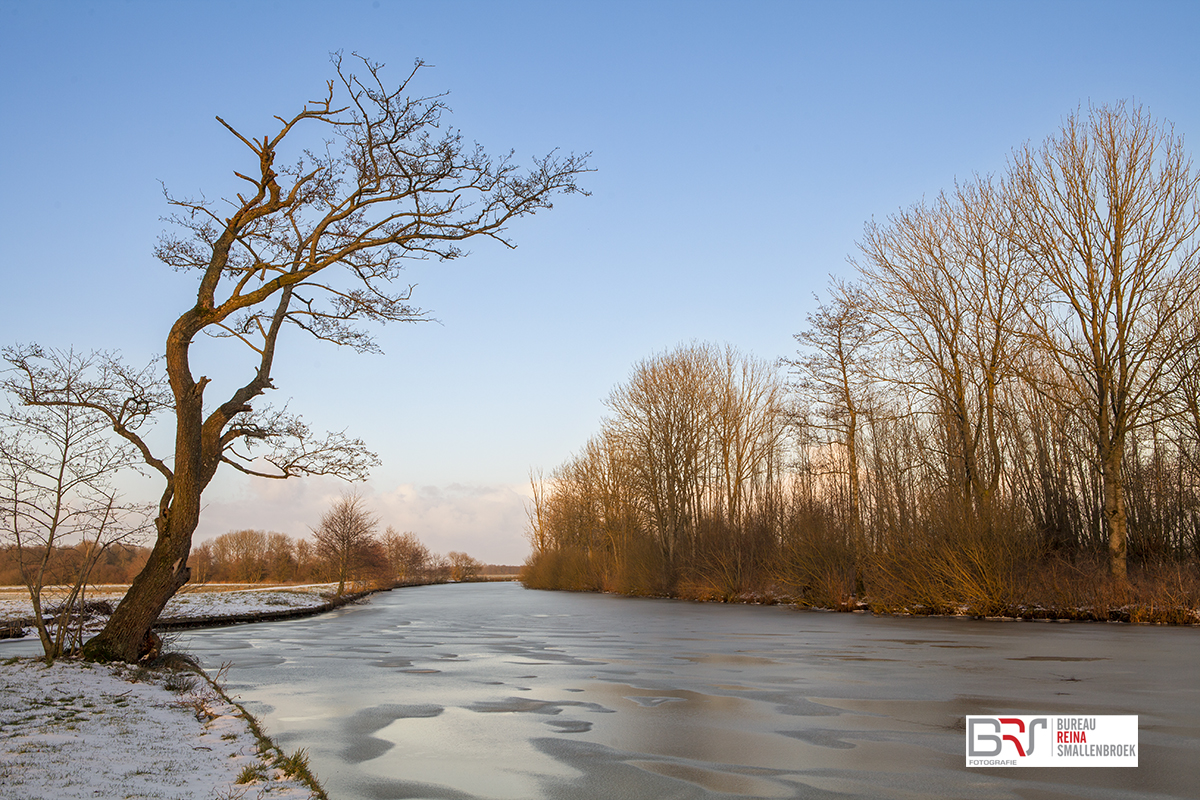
(77, 730)
(208, 600)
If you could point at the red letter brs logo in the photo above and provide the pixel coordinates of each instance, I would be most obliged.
(993, 737)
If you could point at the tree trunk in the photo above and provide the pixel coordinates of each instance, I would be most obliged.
(1114, 515)
(127, 636)
(858, 546)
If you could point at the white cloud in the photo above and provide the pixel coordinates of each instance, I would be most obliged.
(488, 522)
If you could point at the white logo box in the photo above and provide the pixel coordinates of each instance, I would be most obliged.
(1050, 740)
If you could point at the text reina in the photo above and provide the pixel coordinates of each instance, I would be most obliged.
(1072, 730)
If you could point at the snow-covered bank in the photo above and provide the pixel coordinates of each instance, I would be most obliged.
(215, 603)
(77, 730)
(210, 603)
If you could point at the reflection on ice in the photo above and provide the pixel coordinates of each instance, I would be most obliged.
(651, 702)
(530, 706)
(421, 694)
(725, 782)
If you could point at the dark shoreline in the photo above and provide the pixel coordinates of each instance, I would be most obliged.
(1023, 614)
(15, 628)
(217, 621)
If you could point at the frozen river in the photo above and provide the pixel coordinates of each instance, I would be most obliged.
(494, 691)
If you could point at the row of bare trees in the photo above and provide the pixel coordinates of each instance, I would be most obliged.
(346, 541)
(688, 458)
(1008, 386)
(345, 549)
(117, 564)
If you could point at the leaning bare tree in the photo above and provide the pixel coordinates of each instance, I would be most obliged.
(316, 240)
(1108, 211)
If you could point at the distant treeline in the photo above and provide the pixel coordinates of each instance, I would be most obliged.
(1000, 415)
(254, 556)
(118, 563)
(496, 570)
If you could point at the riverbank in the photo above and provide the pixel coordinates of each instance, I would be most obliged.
(161, 731)
(1157, 594)
(196, 607)
(78, 730)
(1135, 613)
(75, 730)
(220, 604)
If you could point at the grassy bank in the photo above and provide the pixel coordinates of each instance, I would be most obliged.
(959, 580)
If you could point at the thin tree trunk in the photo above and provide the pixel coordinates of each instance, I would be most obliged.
(1114, 514)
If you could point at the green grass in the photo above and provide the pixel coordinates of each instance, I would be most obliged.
(251, 773)
(297, 765)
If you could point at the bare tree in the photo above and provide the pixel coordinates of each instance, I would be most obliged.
(201, 561)
(660, 418)
(438, 568)
(306, 561)
(243, 554)
(832, 378)
(280, 557)
(1108, 211)
(462, 566)
(316, 240)
(745, 430)
(833, 381)
(1185, 405)
(407, 557)
(58, 506)
(945, 287)
(345, 537)
(535, 512)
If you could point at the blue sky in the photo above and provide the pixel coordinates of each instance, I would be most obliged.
(739, 149)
